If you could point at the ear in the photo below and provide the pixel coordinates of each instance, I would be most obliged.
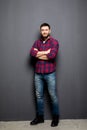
(50, 30)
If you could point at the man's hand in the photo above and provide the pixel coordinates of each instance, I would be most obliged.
(48, 51)
(43, 57)
(35, 49)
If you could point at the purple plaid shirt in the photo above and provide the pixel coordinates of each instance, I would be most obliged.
(45, 66)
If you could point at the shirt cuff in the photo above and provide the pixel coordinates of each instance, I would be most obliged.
(49, 55)
(35, 53)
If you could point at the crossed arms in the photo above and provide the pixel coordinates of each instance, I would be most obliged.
(45, 55)
(42, 54)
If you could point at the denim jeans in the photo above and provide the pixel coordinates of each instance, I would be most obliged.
(50, 79)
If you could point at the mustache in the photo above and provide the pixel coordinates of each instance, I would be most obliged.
(45, 34)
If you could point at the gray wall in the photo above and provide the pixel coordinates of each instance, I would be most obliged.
(19, 28)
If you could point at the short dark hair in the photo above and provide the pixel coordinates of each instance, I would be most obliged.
(44, 24)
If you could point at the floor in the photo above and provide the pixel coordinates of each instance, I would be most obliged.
(63, 125)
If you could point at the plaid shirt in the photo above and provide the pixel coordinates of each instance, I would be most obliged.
(45, 66)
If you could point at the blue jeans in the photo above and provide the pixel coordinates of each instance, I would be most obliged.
(50, 79)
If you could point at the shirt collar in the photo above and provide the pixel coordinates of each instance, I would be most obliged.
(46, 40)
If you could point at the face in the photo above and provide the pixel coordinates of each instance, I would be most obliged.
(45, 31)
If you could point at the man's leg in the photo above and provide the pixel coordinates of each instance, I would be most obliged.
(51, 82)
(39, 84)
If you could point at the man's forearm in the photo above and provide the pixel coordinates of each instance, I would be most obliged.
(41, 53)
(43, 57)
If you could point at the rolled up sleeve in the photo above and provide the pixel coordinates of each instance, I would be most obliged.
(54, 51)
(32, 51)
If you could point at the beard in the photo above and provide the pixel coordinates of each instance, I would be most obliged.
(45, 37)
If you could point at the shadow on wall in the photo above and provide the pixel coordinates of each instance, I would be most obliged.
(30, 63)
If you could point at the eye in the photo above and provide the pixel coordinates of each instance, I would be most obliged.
(42, 30)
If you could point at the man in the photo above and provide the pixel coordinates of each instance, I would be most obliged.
(45, 50)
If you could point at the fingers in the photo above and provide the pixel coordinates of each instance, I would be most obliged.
(35, 49)
(48, 50)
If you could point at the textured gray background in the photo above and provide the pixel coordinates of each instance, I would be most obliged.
(19, 28)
